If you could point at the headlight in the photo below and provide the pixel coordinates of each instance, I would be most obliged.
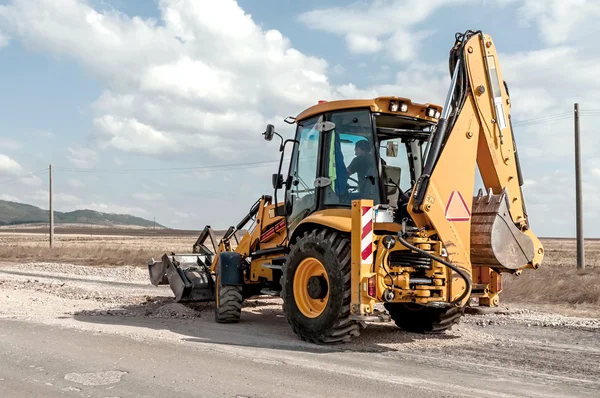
(398, 106)
(431, 112)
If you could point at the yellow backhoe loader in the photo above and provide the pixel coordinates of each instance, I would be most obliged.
(378, 207)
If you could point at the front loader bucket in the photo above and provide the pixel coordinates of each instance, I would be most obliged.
(158, 272)
(187, 274)
(496, 242)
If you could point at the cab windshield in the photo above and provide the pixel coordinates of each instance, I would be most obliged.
(351, 160)
(343, 156)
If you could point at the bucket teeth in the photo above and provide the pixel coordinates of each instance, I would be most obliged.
(496, 241)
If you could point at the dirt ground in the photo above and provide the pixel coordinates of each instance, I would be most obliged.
(556, 284)
(548, 325)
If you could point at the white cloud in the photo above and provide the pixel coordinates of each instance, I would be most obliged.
(63, 198)
(360, 44)
(73, 183)
(9, 198)
(129, 135)
(338, 69)
(419, 82)
(10, 144)
(540, 90)
(9, 166)
(61, 201)
(83, 158)
(31, 180)
(562, 21)
(43, 134)
(554, 193)
(149, 196)
(181, 214)
(11, 170)
(202, 78)
(371, 26)
(4, 40)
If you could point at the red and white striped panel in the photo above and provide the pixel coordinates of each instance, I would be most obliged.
(366, 236)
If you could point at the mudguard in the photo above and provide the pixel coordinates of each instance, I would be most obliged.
(230, 269)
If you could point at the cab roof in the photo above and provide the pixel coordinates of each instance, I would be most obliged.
(377, 105)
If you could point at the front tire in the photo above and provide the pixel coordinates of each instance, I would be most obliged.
(228, 303)
(316, 287)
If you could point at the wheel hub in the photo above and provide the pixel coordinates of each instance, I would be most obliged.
(317, 287)
(311, 287)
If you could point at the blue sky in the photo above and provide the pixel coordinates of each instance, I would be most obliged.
(105, 90)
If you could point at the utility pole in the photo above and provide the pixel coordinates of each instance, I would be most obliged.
(51, 212)
(578, 195)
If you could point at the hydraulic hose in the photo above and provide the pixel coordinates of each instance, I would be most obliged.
(447, 264)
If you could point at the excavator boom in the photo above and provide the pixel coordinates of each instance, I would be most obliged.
(491, 229)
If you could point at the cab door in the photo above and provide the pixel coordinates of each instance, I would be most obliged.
(302, 195)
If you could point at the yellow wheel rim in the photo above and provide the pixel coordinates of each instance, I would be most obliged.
(311, 287)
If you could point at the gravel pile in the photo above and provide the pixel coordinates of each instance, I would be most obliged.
(153, 307)
(532, 318)
(69, 291)
(174, 310)
(118, 274)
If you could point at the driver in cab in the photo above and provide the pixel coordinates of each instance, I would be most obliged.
(362, 164)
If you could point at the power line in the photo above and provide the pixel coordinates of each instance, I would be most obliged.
(218, 167)
(555, 117)
(543, 119)
(24, 177)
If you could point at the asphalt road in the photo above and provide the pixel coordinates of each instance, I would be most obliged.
(74, 331)
(55, 361)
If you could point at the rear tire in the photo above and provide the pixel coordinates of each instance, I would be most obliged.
(421, 319)
(329, 323)
(228, 305)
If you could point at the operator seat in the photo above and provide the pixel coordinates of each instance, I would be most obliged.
(391, 188)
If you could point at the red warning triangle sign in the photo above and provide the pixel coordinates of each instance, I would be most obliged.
(457, 209)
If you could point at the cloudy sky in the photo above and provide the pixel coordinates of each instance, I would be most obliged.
(136, 102)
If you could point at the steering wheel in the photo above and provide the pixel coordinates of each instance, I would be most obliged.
(352, 188)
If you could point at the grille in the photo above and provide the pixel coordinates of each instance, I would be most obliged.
(405, 258)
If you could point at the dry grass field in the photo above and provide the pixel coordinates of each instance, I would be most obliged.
(556, 282)
(88, 249)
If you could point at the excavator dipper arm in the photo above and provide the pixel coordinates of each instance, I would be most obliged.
(492, 228)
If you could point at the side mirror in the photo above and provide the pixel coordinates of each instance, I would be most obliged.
(269, 132)
(391, 149)
(277, 181)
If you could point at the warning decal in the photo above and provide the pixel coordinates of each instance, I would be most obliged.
(457, 209)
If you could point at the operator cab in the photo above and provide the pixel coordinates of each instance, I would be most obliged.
(355, 149)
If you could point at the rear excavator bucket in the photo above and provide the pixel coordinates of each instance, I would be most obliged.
(496, 242)
(188, 275)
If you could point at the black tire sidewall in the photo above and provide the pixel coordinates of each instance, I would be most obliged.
(314, 247)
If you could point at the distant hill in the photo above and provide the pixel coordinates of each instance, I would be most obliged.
(13, 213)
